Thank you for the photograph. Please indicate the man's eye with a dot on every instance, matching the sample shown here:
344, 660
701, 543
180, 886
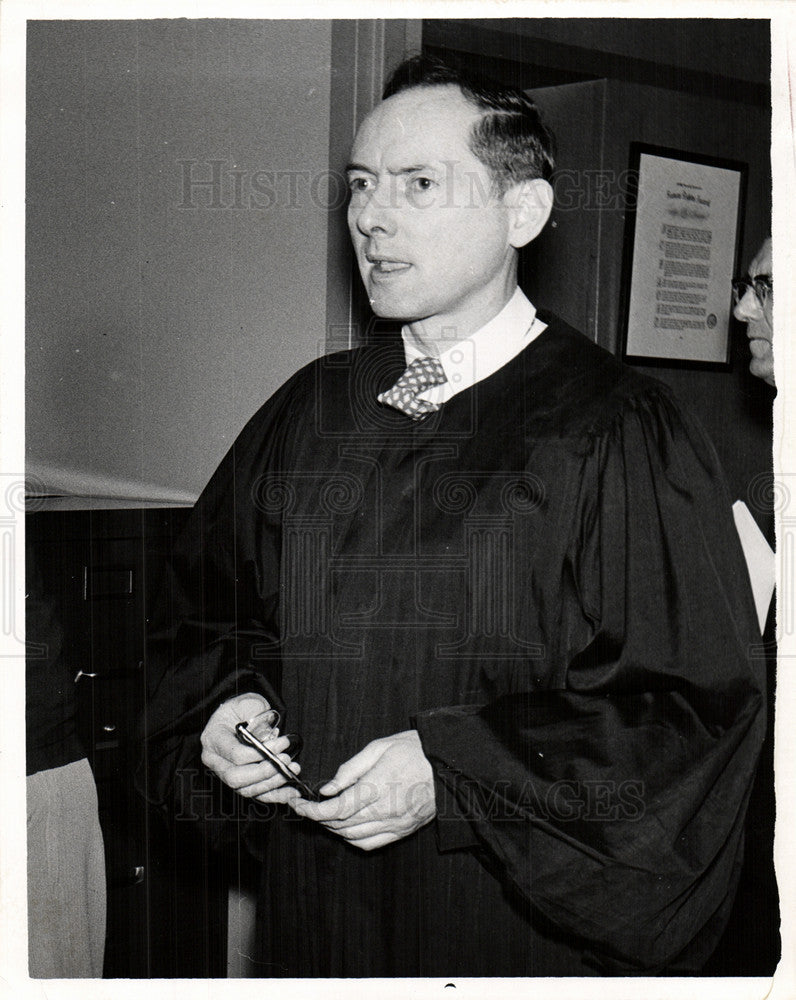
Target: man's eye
357, 184
422, 183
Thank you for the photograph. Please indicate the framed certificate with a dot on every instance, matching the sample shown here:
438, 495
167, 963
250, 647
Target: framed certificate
682, 241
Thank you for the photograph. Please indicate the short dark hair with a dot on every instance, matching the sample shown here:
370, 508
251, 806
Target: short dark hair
510, 138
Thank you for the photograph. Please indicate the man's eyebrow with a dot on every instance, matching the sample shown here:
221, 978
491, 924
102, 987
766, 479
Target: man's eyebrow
762, 274
397, 172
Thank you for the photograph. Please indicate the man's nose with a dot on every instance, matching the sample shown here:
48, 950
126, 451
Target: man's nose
747, 307
377, 213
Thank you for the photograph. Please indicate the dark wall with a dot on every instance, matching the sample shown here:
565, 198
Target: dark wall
699, 55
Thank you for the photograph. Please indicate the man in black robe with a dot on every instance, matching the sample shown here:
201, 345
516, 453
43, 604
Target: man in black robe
491, 576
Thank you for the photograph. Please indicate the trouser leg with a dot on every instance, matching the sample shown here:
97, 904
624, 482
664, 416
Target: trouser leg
66, 875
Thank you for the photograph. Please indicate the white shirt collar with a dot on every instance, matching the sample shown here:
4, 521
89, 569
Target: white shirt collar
483, 352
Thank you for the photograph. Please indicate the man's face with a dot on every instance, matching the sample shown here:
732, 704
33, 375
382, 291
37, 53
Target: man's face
432, 237
758, 318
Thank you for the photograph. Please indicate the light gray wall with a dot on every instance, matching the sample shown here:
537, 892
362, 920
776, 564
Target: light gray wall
155, 329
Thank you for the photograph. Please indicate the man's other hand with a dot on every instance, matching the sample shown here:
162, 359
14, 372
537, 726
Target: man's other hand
382, 794
240, 766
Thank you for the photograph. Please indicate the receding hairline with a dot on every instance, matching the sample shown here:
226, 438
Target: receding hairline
468, 99
452, 89
477, 113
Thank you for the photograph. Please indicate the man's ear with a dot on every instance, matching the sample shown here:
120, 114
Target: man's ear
531, 203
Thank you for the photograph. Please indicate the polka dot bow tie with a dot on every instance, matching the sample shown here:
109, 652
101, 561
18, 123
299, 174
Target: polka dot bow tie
421, 374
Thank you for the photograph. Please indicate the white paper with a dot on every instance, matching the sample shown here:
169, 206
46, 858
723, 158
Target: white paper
759, 559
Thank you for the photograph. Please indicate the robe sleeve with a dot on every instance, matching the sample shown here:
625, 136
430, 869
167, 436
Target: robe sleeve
215, 631
614, 802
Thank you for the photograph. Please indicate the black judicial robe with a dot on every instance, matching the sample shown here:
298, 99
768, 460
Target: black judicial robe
544, 579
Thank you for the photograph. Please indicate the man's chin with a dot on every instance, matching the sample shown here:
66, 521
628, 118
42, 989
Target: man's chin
387, 312
763, 369
386, 309
762, 363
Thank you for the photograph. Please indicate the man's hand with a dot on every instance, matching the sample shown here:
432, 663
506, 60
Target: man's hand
239, 766
382, 794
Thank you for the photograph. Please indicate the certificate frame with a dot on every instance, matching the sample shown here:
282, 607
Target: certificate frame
683, 232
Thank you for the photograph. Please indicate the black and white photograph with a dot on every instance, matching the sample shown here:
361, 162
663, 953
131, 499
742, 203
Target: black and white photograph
396, 506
